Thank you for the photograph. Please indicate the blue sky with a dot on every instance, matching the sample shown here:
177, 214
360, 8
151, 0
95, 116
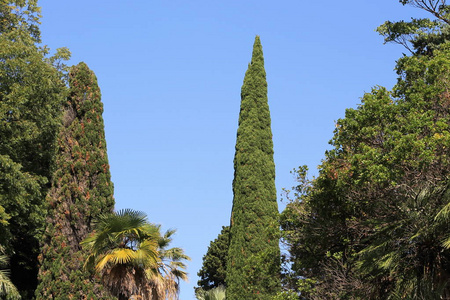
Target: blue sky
171, 73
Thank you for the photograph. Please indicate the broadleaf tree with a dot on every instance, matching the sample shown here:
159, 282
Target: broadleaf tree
31, 97
379, 207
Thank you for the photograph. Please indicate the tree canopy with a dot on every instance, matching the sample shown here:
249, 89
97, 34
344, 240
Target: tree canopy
373, 224
31, 95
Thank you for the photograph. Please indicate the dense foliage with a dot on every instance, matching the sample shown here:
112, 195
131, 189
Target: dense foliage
31, 94
374, 223
81, 190
213, 271
253, 265
54, 172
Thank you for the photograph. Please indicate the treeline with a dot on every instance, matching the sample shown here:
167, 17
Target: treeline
374, 223
57, 223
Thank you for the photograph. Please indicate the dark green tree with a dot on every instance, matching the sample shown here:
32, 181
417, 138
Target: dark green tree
253, 267
31, 96
213, 271
81, 191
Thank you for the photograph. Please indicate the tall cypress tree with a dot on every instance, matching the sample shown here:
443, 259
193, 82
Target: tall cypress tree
81, 190
253, 268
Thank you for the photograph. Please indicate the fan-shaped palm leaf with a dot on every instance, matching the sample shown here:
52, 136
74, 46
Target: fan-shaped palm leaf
131, 256
7, 288
217, 293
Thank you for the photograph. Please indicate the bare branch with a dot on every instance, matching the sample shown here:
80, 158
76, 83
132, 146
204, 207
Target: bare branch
431, 6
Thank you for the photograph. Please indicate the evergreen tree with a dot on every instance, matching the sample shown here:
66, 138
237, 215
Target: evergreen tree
213, 271
81, 190
253, 267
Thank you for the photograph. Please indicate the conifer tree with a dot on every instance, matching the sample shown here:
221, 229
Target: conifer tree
81, 190
253, 268
213, 271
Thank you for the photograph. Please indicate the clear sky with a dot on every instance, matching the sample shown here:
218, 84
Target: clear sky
171, 73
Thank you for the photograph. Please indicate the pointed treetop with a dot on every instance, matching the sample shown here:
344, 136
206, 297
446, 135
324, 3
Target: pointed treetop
257, 54
253, 261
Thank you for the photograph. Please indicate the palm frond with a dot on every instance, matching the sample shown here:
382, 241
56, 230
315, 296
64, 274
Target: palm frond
131, 256
217, 293
116, 256
446, 243
147, 255
7, 288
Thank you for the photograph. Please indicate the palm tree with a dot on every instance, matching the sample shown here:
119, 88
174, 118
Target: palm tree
217, 293
126, 252
7, 288
168, 272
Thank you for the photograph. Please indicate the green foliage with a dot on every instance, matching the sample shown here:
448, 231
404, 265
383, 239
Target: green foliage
374, 224
31, 95
286, 295
213, 271
379, 206
81, 190
21, 17
253, 267
420, 36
